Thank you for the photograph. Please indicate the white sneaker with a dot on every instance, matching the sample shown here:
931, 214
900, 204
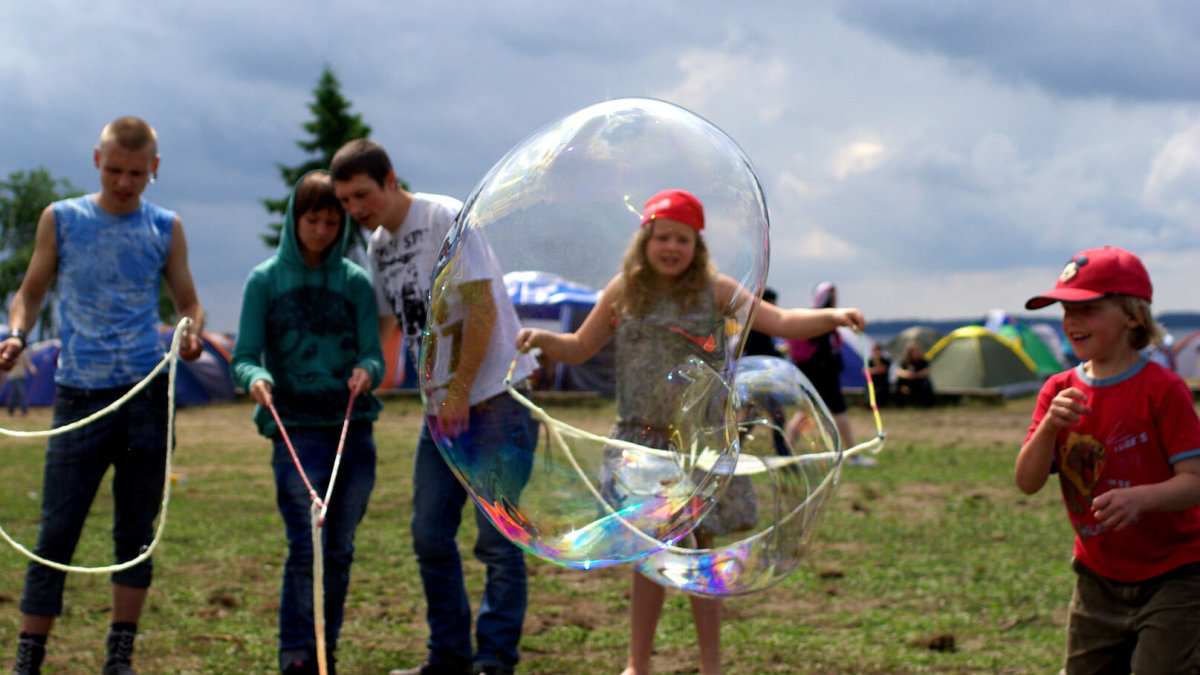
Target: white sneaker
860, 460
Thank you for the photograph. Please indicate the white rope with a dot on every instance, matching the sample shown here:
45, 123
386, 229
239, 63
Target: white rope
705, 461
555, 427
828, 483
171, 359
316, 513
316, 516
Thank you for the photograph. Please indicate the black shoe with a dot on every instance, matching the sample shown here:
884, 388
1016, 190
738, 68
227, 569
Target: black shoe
428, 667
120, 652
30, 653
493, 670
301, 667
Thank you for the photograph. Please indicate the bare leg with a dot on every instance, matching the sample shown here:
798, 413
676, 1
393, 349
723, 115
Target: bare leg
706, 613
842, 420
36, 624
794, 426
127, 603
645, 606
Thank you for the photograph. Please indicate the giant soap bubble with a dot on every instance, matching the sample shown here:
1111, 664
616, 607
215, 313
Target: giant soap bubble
566, 202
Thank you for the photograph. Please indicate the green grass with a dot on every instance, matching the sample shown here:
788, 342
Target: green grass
930, 562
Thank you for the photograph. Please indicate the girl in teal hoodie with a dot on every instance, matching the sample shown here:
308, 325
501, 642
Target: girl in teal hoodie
307, 341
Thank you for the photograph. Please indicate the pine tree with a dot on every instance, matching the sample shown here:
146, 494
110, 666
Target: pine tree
333, 125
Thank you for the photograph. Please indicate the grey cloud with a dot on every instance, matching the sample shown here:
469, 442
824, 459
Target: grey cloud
1132, 51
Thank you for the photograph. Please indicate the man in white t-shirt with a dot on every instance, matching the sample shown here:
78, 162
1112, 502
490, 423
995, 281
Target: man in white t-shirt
470, 350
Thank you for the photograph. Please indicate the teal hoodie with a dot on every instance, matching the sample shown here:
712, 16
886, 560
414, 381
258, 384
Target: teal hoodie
304, 330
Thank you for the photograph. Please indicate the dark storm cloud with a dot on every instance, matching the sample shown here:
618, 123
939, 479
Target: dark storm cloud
1137, 51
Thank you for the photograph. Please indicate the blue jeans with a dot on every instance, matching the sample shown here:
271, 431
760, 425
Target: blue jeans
132, 439
316, 448
499, 428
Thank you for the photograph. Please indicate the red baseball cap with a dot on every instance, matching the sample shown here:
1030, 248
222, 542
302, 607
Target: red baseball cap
679, 205
1097, 273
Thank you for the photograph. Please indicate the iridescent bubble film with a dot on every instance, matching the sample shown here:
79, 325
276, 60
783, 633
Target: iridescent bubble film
765, 518
567, 201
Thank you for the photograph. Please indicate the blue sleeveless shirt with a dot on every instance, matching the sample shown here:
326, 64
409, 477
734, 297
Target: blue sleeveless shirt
109, 271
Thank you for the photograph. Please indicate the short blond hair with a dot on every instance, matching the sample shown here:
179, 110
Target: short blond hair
1148, 330
131, 133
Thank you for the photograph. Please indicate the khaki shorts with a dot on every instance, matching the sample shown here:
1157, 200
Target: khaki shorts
1146, 627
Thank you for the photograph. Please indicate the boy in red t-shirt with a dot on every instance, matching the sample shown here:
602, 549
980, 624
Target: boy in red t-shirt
1123, 435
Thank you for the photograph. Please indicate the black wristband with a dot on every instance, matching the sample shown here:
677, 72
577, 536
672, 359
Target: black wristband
20, 335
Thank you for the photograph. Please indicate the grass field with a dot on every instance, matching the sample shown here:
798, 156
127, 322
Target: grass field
930, 562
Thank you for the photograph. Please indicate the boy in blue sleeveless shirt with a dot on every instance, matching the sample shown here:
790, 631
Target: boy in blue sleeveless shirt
109, 251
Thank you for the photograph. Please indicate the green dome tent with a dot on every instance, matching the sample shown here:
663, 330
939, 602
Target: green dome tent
1045, 363
973, 357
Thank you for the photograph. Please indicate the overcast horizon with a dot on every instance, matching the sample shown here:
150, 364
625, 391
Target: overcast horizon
935, 160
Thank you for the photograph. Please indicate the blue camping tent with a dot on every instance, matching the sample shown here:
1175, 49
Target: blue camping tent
39, 386
548, 297
203, 381
561, 305
207, 379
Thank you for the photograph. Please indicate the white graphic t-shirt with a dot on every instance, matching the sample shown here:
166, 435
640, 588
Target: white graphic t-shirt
404, 264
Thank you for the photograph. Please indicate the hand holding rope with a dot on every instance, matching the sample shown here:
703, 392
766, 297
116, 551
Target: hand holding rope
171, 362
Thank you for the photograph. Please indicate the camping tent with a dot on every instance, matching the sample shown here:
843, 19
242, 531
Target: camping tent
549, 301
205, 380
548, 297
924, 336
208, 378
1052, 336
39, 386
399, 372
1019, 333
973, 357
542, 300
1187, 355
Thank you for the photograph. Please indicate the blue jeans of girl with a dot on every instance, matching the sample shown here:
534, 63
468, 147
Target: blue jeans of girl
316, 448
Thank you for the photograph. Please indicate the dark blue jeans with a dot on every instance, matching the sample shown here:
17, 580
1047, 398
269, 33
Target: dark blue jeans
133, 440
316, 447
499, 428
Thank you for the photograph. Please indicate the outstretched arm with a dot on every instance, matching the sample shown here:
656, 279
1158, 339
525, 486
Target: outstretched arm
792, 324
577, 347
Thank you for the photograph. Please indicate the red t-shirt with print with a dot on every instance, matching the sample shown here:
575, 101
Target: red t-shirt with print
1141, 422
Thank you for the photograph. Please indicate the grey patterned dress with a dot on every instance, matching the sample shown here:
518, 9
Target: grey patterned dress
656, 355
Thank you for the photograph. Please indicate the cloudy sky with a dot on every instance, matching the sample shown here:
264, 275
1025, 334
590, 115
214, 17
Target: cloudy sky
935, 159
